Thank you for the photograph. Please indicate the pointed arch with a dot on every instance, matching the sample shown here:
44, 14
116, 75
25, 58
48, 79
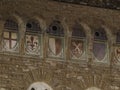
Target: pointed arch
81, 34
10, 35
15, 36
101, 44
77, 42
33, 38
56, 39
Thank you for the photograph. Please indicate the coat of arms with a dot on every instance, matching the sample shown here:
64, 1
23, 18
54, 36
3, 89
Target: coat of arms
10, 40
76, 48
32, 44
99, 50
55, 47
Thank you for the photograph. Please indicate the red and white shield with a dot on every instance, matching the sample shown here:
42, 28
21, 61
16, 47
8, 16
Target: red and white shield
55, 46
10, 40
10, 45
76, 48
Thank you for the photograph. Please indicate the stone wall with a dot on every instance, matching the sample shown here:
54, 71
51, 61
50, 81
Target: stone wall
18, 71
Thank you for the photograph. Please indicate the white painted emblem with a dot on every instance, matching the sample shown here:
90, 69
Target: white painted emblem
39, 86
32, 44
76, 48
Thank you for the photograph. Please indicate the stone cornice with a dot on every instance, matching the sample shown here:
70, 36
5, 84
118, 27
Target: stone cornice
109, 4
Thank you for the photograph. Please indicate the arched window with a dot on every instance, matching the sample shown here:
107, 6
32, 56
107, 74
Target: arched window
78, 42
33, 38
10, 36
56, 40
100, 44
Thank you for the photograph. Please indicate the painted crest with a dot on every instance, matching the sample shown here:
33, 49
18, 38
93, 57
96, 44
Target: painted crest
10, 44
55, 47
117, 53
10, 40
76, 48
32, 44
99, 50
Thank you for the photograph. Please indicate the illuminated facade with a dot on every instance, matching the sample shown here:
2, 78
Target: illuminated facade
54, 45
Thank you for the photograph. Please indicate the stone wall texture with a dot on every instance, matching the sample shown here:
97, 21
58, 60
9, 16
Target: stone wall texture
18, 71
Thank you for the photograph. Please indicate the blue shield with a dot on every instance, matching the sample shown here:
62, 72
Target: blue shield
99, 50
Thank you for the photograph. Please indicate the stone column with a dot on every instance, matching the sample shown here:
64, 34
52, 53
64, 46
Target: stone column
1, 33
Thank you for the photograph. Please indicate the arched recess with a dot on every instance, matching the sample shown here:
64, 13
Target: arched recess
33, 38
56, 40
78, 42
10, 35
36, 30
85, 37
101, 45
15, 34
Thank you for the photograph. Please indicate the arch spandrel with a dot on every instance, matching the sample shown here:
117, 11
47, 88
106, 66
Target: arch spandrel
86, 35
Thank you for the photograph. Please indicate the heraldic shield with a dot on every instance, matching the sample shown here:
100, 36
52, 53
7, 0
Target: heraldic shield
32, 44
10, 40
10, 45
99, 50
76, 48
117, 53
55, 47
